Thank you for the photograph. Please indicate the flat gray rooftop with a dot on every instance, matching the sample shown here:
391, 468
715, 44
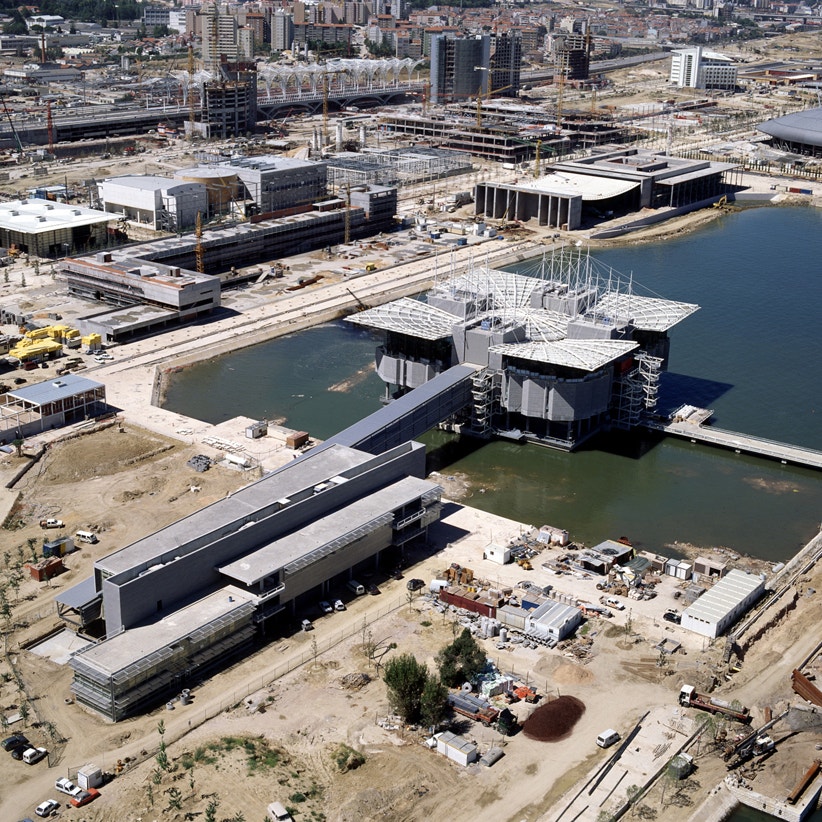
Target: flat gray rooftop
125, 649
53, 390
240, 507
334, 531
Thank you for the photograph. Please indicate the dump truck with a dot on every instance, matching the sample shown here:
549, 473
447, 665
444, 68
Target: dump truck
688, 696
476, 708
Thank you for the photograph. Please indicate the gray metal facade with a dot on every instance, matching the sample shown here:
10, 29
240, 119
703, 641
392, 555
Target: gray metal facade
205, 583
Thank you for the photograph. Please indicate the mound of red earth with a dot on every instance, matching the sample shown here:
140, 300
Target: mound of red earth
555, 720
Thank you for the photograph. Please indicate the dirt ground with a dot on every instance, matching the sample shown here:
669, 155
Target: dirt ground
293, 738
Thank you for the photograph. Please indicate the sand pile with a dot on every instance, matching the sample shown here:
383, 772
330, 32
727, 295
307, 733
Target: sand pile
554, 720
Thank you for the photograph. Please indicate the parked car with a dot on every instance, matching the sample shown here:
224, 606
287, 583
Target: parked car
306, 624
339, 605
17, 753
396, 574
31, 756
325, 606
372, 589
47, 808
415, 584
672, 616
14, 741
67, 787
84, 797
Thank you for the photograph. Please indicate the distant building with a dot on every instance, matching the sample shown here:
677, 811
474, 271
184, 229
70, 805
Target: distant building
230, 102
571, 54
282, 30
697, 68
506, 64
459, 67
158, 202
51, 229
270, 183
800, 132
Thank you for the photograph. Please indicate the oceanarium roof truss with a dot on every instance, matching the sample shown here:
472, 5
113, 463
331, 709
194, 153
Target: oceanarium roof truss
562, 350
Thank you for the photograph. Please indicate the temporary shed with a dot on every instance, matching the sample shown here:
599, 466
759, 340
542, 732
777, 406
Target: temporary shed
457, 748
498, 554
553, 620
718, 609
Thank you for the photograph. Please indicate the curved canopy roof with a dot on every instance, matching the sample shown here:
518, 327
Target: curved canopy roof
586, 355
407, 316
645, 313
801, 127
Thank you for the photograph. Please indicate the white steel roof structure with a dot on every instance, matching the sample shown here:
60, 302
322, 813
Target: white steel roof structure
586, 355
645, 313
407, 316
507, 289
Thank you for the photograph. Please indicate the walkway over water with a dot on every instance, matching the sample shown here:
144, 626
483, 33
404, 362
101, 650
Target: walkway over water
411, 415
741, 443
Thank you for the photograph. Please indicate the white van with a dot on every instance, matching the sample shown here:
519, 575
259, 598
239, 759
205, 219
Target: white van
355, 587
607, 738
277, 813
87, 536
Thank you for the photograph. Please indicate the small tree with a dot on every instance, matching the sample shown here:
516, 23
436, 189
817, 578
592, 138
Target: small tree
433, 702
461, 661
406, 679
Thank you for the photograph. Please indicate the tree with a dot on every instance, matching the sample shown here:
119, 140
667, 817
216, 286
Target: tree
406, 679
17, 24
433, 702
461, 661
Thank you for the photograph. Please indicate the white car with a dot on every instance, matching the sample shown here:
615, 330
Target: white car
47, 808
103, 355
339, 605
67, 787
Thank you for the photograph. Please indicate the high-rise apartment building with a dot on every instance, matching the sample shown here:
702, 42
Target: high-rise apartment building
459, 67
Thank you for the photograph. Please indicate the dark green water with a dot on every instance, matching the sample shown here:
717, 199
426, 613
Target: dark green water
752, 353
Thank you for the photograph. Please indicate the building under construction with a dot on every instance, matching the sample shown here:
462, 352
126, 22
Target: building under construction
560, 353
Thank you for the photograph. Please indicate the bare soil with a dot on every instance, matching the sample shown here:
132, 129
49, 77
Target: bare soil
284, 737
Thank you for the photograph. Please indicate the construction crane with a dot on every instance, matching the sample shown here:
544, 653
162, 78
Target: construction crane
325, 109
191, 117
199, 256
537, 159
13, 129
560, 88
479, 104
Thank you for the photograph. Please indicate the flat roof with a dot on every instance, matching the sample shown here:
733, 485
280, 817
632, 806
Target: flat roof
333, 531
131, 646
589, 187
37, 216
586, 355
553, 614
240, 507
57, 389
134, 316
714, 605
150, 183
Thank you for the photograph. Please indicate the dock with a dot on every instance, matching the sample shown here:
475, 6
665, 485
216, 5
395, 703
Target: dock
690, 423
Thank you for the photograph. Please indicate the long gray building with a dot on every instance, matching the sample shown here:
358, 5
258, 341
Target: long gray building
193, 595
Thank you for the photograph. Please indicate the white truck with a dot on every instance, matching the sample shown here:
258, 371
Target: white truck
51, 522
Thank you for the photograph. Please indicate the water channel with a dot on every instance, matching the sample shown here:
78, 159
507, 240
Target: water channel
751, 353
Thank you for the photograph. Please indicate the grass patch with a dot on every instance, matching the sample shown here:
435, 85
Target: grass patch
347, 758
426, 623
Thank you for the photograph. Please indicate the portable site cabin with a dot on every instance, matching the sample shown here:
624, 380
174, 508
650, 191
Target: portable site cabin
457, 748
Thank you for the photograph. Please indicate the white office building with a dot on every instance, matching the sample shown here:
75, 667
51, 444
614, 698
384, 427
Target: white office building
697, 68
161, 203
